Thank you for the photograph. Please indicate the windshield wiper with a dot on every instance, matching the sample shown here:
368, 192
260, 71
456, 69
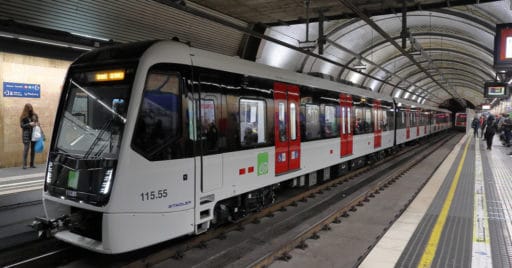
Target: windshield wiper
102, 131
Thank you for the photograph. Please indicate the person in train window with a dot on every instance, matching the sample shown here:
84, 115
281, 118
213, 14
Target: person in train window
359, 126
28, 120
250, 137
211, 136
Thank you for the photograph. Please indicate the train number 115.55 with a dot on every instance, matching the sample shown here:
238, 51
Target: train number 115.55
152, 195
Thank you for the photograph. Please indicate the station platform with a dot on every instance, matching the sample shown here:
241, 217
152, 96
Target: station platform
461, 218
16, 179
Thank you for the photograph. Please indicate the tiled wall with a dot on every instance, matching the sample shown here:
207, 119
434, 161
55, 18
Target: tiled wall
49, 74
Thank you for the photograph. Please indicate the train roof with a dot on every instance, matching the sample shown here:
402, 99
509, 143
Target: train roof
158, 51
216, 61
423, 106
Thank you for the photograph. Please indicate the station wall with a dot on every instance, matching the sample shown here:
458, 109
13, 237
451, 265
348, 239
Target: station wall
49, 75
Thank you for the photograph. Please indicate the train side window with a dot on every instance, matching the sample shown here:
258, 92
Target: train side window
158, 124
208, 126
358, 123
313, 129
331, 121
383, 119
252, 122
293, 121
401, 119
390, 118
368, 121
281, 117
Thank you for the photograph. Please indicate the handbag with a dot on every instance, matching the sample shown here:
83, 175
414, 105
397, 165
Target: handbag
36, 133
39, 146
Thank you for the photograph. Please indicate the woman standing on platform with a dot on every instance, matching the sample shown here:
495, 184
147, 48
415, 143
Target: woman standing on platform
490, 130
28, 120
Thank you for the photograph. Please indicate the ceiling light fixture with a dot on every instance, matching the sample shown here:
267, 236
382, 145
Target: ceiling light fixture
359, 65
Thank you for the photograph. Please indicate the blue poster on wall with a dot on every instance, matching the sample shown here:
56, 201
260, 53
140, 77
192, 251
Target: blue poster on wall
22, 90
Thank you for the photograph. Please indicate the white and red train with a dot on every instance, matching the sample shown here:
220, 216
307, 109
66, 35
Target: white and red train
461, 121
156, 140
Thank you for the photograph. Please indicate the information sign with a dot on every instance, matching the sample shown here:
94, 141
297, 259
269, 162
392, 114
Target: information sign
21, 90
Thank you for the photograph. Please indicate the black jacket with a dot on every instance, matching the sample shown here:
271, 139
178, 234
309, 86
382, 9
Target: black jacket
26, 134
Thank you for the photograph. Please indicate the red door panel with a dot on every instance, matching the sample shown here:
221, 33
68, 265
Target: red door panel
294, 127
377, 128
286, 128
346, 131
280, 128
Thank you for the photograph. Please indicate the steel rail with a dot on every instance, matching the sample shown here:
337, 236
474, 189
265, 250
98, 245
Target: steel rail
283, 251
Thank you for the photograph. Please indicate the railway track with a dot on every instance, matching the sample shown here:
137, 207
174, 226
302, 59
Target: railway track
248, 245
245, 244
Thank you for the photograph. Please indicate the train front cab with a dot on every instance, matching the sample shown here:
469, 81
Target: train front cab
460, 121
108, 185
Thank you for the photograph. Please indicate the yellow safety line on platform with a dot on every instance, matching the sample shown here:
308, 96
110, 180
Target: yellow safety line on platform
430, 250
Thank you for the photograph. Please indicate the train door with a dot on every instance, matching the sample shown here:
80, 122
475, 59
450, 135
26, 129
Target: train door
286, 128
209, 110
377, 128
424, 121
417, 122
346, 132
407, 123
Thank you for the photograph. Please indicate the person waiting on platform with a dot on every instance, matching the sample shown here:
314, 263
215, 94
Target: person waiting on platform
482, 126
28, 120
490, 130
475, 125
507, 130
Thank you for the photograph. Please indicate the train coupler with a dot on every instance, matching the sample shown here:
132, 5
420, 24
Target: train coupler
45, 227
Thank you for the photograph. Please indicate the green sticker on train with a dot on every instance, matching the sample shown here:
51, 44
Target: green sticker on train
262, 164
73, 179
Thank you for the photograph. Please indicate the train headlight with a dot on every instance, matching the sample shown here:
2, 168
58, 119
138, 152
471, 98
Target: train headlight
107, 180
49, 173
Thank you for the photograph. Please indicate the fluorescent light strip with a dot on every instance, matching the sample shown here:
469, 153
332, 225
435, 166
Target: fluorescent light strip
90, 36
45, 41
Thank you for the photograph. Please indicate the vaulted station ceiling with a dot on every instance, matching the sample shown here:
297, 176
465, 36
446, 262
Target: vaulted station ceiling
454, 39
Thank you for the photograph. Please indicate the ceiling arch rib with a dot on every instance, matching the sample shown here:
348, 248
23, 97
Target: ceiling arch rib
382, 45
458, 81
450, 74
453, 63
409, 69
476, 61
484, 28
474, 51
457, 78
387, 88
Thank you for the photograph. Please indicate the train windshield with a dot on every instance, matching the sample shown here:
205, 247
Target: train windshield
94, 114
